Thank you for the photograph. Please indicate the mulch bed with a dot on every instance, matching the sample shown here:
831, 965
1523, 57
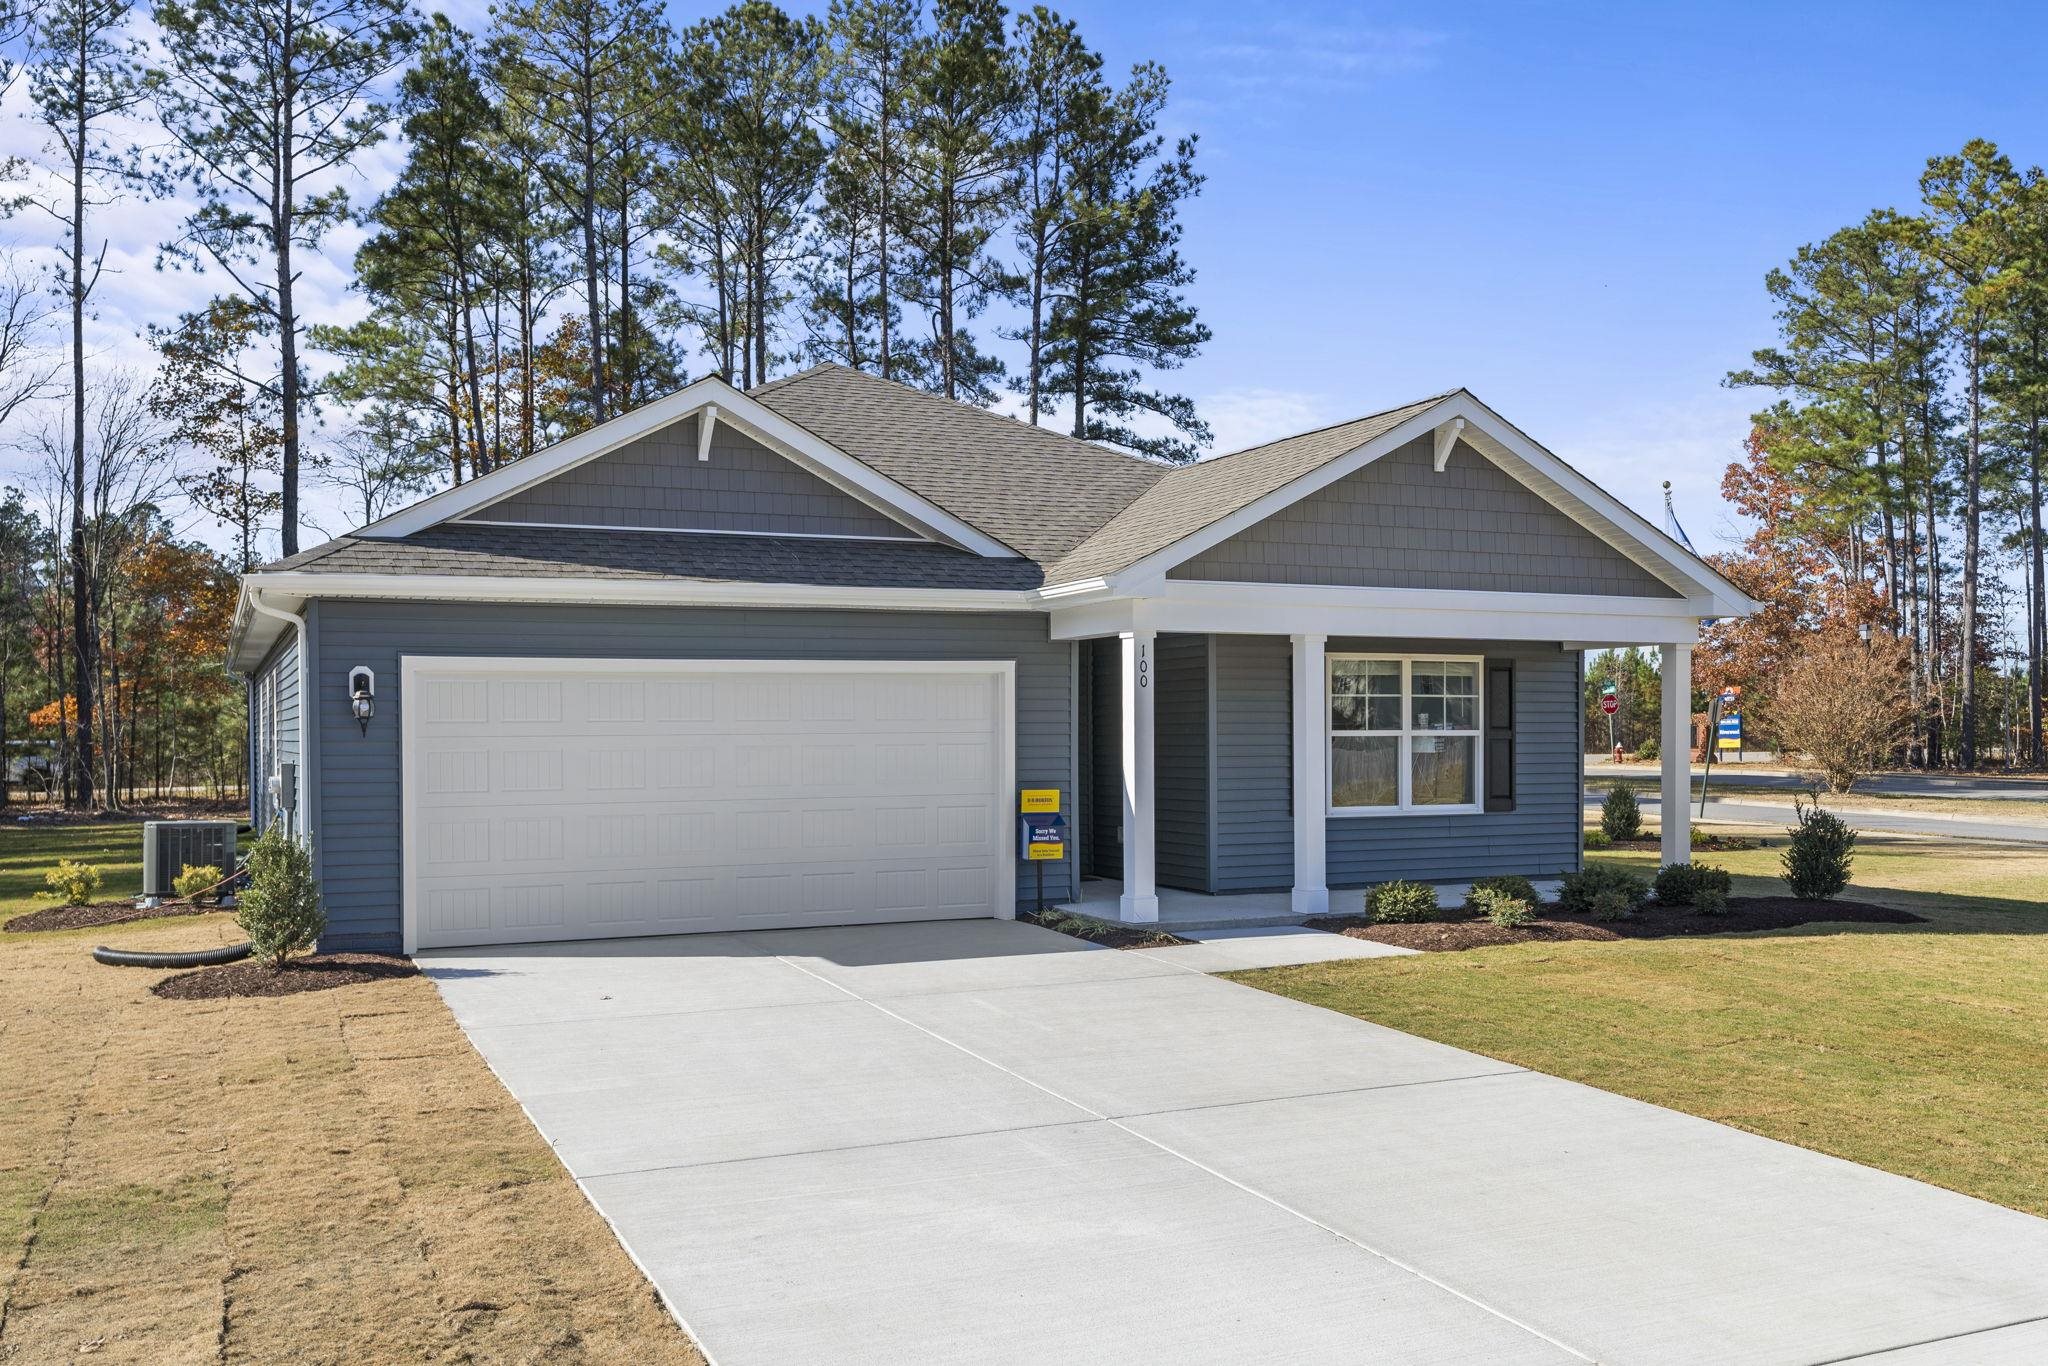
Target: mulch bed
319, 972
101, 913
1711, 844
1744, 913
1102, 932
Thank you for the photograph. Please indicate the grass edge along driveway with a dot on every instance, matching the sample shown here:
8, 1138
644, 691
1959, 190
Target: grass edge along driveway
330, 1176
1912, 1048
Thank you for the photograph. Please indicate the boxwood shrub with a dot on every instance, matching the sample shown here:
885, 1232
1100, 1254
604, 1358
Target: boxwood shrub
1401, 903
1582, 888
1680, 884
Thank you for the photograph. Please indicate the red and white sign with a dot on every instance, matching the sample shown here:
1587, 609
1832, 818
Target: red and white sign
1610, 704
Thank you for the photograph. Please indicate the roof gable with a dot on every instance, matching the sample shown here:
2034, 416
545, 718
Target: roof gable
711, 397
1399, 522
668, 481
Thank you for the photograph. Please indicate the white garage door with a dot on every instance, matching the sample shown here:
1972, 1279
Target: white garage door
551, 799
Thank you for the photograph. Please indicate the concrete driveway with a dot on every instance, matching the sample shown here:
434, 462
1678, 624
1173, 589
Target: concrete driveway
982, 1142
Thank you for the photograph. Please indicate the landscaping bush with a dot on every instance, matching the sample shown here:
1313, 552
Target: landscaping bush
1513, 885
1620, 817
1648, 751
1680, 884
1819, 857
1612, 904
1710, 901
1700, 838
195, 878
1598, 839
1401, 903
72, 883
1580, 889
1501, 907
280, 911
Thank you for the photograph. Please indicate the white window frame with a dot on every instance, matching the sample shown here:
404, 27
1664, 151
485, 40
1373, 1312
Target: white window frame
1405, 773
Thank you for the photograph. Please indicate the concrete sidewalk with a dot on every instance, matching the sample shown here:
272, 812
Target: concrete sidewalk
977, 1141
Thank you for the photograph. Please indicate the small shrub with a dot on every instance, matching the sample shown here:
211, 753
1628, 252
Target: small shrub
1680, 884
1598, 839
280, 910
1648, 751
1700, 838
195, 878
1710, 901
1818, 858
1503, 908
1580, 889
1612, 904
1401, 903
1620, 817
72, 883
1513, 885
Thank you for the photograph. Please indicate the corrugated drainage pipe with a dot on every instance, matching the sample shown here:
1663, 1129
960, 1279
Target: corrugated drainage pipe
198, 958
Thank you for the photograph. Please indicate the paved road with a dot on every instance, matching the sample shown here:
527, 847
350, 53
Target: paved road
1737, 811
1897, 784
981, 1142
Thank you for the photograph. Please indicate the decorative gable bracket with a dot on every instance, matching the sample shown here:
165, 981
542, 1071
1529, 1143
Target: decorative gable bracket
1446, 438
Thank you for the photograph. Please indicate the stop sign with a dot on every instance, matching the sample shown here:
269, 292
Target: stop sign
1610, 704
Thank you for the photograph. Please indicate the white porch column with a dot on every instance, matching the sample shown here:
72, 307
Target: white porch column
1139, 655
1676, 747
1311, 777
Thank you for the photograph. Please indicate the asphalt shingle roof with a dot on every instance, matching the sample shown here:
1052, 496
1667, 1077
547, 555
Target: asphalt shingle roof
458, 548
1036, 491
1071, 509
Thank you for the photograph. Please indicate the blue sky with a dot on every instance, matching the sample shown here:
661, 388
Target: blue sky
1567, 208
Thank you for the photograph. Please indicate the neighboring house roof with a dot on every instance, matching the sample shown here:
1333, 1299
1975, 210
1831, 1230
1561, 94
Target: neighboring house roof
1195, 496
485, 550
1038, 492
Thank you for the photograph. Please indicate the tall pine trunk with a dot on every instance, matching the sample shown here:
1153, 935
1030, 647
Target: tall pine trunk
1973, 512
2037, 634
84, 640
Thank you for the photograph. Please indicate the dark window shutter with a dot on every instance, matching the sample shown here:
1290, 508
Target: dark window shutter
1500, 735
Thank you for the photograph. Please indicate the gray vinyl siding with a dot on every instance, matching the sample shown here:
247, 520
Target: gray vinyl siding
1539, 837
1254, 778
1254, 764
1397, 523
273, 724
657, 482
359, 848
1180, 751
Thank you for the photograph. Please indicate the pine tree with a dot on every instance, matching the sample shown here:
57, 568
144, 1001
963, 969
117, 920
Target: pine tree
1116, 277
961, 182
875, 53
1966, 195
211, 405
265, 99
83, 73
1062, 93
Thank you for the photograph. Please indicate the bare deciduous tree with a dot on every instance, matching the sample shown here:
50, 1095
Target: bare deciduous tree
1843, 703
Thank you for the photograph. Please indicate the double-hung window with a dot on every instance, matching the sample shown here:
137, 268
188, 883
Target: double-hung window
1404, 734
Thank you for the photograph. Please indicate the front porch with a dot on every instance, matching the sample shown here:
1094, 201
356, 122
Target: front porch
1206, 762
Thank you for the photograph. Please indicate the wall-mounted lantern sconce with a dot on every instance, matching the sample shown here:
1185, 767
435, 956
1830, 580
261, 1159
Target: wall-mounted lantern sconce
362, 696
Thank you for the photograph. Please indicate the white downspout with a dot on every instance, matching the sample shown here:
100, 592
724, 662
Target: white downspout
302, 799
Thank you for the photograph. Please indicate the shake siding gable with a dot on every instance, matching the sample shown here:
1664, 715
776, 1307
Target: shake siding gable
658, 483
359, 849
1398, 523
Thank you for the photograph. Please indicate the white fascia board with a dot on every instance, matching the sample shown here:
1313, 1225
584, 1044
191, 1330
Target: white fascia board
1385, 613
251, 636
1483, 428
735, 409
636, 592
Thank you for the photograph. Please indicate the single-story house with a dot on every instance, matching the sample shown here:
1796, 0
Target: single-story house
789, 656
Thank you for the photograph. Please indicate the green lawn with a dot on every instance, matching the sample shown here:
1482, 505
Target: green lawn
29, 851
1916, 1048
1731, 785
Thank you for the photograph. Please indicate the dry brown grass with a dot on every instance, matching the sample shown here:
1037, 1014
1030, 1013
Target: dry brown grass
332, 1176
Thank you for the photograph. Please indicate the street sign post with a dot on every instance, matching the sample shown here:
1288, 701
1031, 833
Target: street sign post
1610, 704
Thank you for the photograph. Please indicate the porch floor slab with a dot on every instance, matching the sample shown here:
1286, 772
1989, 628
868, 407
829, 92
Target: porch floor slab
1181, 911
1270, 946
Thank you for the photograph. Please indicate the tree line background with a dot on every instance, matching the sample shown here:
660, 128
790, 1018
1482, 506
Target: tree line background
593, 207
1892, 483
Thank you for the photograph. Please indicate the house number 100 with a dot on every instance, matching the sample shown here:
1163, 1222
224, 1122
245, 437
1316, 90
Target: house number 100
1144, 669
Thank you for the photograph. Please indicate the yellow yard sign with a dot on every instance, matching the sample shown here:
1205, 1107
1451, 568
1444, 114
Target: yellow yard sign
1038, 799
1041, 853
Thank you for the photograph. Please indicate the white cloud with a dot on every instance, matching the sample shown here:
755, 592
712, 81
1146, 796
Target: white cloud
1251, 417
1630, 449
